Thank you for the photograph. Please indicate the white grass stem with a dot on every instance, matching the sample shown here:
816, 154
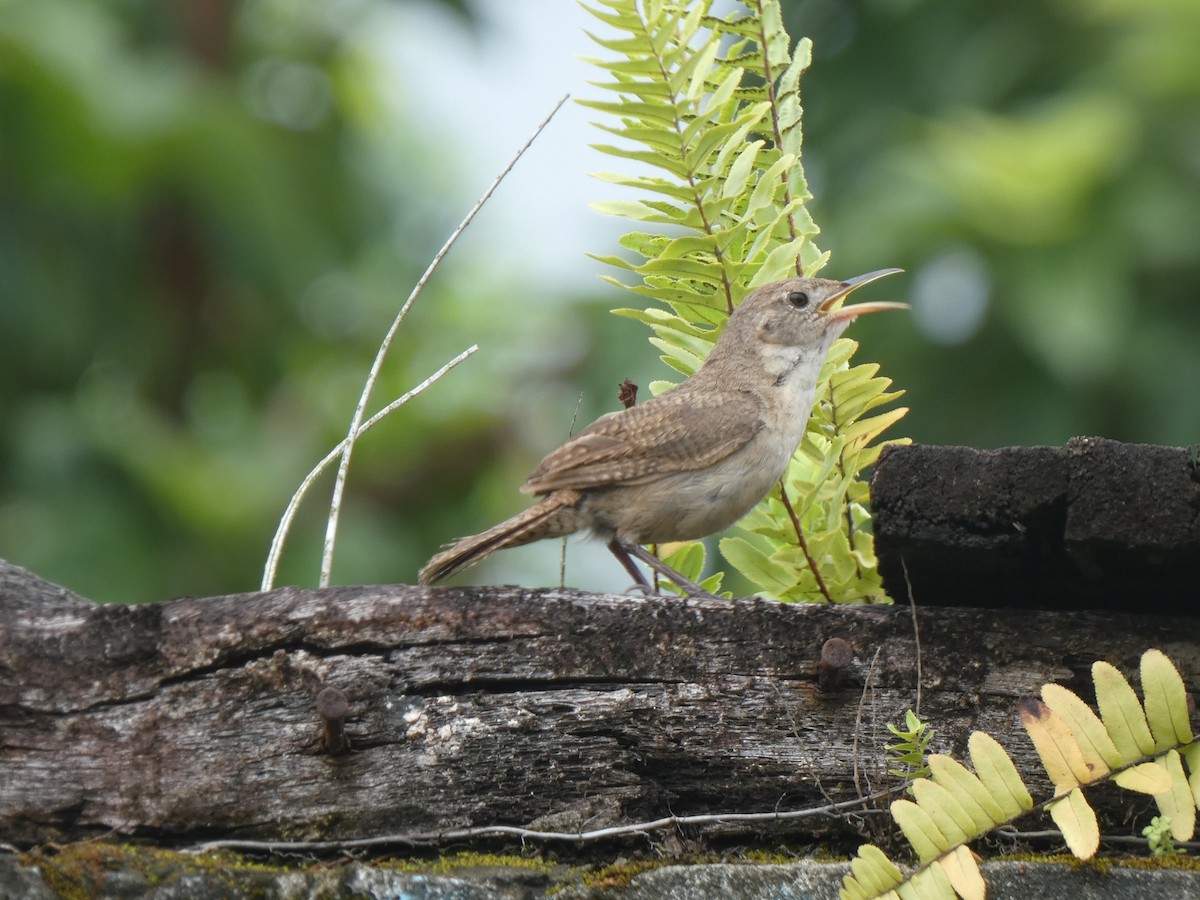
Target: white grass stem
285, 522
347, 446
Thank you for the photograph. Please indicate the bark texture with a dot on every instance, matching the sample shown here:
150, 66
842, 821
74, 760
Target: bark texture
197, 718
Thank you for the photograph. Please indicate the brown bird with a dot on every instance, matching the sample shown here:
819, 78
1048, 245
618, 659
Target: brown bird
695, 459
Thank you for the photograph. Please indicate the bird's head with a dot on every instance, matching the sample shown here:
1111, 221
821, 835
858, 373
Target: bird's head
802, 312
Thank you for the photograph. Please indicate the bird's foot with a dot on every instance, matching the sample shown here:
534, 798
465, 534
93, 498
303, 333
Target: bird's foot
644, 589
647, 590
623, 551
694, 592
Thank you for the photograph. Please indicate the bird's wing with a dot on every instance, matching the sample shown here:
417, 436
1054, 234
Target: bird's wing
675, 432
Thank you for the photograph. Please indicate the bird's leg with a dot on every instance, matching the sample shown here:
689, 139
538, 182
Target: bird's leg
618, 550
623, 551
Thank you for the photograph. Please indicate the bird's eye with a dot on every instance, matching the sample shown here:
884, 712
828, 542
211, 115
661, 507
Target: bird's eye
798, 299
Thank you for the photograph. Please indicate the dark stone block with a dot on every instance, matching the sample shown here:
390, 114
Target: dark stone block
1098, 524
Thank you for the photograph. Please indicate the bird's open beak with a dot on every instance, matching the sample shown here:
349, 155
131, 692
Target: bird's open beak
849, 312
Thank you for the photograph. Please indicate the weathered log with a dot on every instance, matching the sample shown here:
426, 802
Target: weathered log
197, 718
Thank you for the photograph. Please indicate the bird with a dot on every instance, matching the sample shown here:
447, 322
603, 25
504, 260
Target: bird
693, 460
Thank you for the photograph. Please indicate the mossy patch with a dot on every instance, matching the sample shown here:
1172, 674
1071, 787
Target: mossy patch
620, 874
85, 870
457, 862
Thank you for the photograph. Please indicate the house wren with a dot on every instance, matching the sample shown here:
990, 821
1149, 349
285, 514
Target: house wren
695, 459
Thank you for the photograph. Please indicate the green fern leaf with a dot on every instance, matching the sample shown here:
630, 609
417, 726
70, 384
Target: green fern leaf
943, 805
920, 830
1094, 741
1121, 713
754, 561
941, 816
687, 559
998, 774
954, 807
872, 874
928, 884
1192, 755
1166, 701
1147, 778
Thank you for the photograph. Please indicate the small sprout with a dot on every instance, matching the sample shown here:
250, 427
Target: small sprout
908, 753
1158, 836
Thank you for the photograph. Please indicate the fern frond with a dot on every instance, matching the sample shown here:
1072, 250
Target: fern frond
693, 114
1141, 742
1060, 751
1095, 744
1122, 714
1192, 755
1078, 749
1177, 803
1159, 838
909, 750
951, 809
720, 130
962, 871
872, 874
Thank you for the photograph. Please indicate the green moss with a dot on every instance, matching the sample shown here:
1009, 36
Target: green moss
770, 857
620, 874
1186, 863
81, 871
1103, 864
445, 865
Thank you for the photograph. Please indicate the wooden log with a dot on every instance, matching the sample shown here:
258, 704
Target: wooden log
197, 718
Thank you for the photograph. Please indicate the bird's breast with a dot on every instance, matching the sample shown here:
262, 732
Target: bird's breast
786, 410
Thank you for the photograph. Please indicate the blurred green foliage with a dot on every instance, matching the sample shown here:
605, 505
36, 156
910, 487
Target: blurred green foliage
208, 215
1036, 168
209, 212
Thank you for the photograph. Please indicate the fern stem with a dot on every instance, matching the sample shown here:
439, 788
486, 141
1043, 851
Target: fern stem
812, 565
1042, 806
769, 79
841, 468
691, 175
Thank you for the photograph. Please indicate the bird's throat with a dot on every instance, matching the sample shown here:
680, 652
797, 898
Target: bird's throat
793, 372
785, 365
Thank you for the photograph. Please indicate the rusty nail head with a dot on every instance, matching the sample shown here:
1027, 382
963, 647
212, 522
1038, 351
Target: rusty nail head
836, 656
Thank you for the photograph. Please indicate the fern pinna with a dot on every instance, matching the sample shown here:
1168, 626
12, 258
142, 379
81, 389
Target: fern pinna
709, 109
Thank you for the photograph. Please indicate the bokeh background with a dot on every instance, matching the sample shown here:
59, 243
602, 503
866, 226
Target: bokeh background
210, 210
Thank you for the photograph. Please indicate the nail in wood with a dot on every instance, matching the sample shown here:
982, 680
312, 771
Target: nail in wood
332, 707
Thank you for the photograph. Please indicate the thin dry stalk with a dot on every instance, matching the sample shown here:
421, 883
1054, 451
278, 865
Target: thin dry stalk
285, 521
339, 485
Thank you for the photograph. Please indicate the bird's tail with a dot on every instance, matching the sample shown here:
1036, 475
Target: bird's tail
555, 515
